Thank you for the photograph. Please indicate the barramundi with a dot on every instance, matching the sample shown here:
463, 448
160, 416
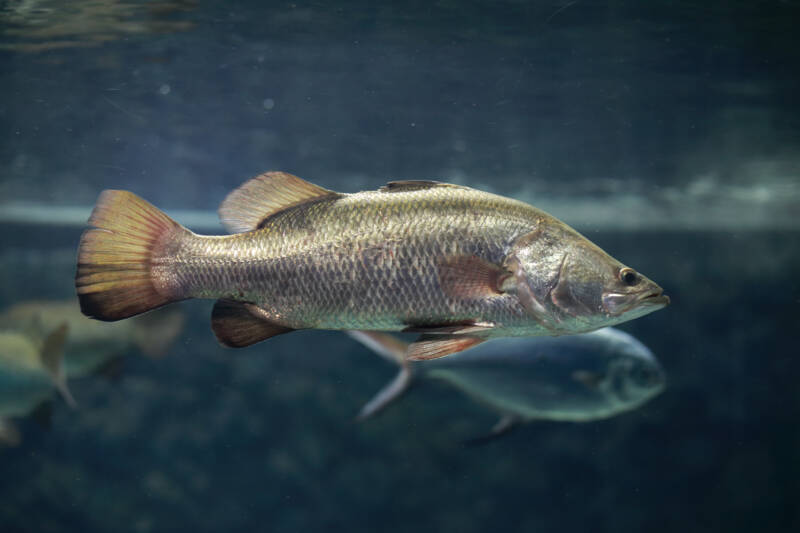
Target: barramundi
577, 378
453, 263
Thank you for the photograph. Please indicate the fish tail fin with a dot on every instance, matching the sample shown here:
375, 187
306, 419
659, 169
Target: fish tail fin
116, 258
392, 349
52, 356
155, 332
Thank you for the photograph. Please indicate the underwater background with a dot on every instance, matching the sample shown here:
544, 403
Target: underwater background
666, 132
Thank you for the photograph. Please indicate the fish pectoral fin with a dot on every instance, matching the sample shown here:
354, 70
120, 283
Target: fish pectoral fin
590, 380
240, 324
433, 346
249, 206
469, 277
503, 426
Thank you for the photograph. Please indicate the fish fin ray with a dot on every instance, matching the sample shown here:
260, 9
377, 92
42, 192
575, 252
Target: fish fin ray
249, 206
240, 324
468, 277
433, 346
114, 279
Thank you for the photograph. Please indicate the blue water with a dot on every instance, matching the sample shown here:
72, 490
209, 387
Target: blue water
668, 133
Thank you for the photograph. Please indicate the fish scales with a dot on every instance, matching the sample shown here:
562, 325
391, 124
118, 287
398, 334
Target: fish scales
366, 260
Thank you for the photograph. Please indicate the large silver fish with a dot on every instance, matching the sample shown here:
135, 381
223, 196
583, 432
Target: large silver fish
456, 264
578, 378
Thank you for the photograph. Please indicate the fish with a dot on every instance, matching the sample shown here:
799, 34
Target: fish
577, 378
30, 370
91, 345
454, 264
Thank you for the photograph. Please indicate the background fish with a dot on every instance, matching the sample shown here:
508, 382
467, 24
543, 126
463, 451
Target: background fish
90, 344
30, 369
457, 264
578, 378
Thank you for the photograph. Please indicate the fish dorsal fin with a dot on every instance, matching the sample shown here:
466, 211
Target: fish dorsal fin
414, 185
246, 208
240, 324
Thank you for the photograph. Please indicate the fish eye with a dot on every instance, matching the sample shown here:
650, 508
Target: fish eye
628, 276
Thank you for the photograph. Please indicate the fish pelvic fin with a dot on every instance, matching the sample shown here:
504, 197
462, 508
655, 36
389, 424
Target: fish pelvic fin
433, 346
52, 355
392, 349
249, 206
116, 258
240, 324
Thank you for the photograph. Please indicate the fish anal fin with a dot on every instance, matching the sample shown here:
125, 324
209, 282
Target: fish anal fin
240, 324
246, 208
503, 426
434, 346
468, 277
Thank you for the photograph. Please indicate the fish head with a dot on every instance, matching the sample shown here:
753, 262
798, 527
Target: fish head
621, 369
635, 376
570, 285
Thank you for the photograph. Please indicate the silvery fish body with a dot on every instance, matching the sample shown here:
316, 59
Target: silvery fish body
457, 264
577, 378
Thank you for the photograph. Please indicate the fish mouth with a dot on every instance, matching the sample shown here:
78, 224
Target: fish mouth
617, 304
654, 298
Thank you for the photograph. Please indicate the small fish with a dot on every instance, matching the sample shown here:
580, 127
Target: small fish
90, 344
30, 369
578, 378
455, 264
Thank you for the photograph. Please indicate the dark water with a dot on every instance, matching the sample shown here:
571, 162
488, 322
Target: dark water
667, 132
